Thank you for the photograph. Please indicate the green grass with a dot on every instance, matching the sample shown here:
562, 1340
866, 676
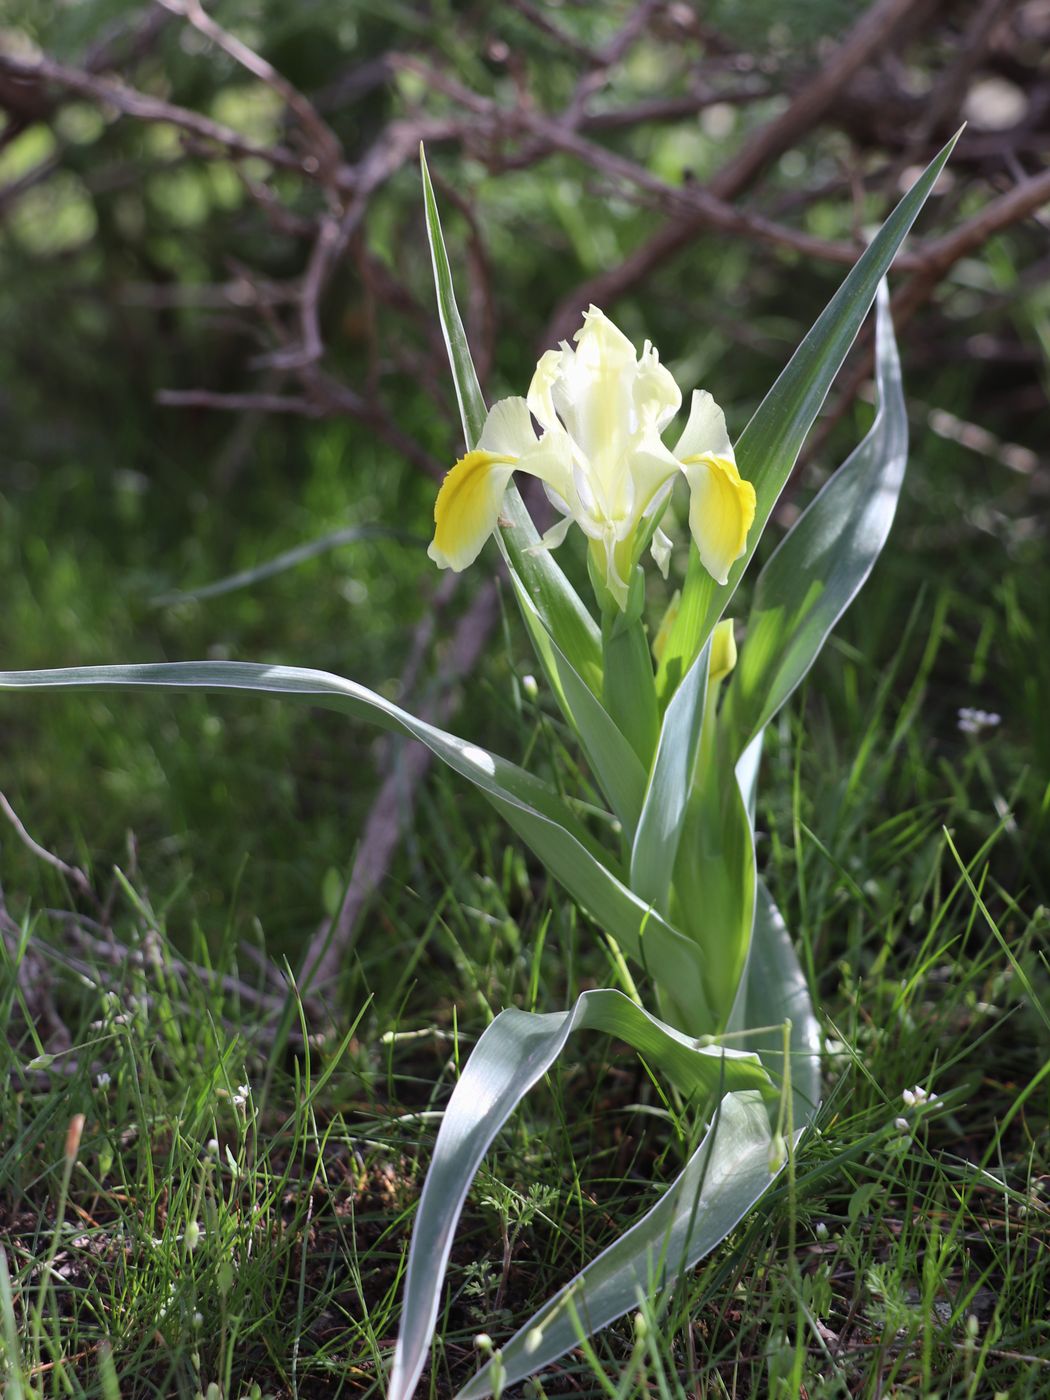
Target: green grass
194, 1240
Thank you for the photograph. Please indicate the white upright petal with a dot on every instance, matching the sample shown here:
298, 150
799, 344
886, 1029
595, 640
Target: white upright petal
657, 397
540, 399
705, 433
593, 394
508, 430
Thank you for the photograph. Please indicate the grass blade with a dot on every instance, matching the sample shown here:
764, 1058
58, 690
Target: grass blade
514, 1052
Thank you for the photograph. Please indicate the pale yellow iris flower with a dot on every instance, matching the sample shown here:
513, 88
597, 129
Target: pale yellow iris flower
602, 410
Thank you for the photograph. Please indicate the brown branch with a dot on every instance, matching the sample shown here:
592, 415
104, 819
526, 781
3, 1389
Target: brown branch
944, 104
867, 37
704, 209
129, 102
815, 96
936, 261
392, 807
75, 876
240, 403
325, 149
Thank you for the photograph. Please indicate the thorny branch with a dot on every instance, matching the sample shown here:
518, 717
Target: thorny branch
319, 188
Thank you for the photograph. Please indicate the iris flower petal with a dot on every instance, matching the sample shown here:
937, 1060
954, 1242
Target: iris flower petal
467, 508
705, 432
468, 504
721, 511
602, 409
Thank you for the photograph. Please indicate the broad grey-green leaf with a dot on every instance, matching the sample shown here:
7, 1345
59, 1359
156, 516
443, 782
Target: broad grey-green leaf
561, 608
617, 768
670, 783
772, 991
714, 877
723, 1179
747, 766
529, 806
822, 563
767, 448
512, 1054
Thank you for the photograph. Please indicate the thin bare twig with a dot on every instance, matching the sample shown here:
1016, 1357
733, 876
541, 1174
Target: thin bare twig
867, 37
392, 807
129, 102
241, 403
325, 151
75, 876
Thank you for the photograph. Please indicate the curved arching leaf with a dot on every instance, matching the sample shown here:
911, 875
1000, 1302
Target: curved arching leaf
531, 808
821, 565
723, 1179
512, 1054
769, 445
773, 990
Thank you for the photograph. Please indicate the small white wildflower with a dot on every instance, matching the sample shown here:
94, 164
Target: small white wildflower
821, 1230
973, 721
483, 1342
529, 686
198, 1319
192, 1235
212, 1147
102, 1081
240, 1098
901, 1124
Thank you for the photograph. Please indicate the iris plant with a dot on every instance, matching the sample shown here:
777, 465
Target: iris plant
670, 721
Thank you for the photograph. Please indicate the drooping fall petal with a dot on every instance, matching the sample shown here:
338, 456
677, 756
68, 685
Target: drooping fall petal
467, 508
468, 504
721, 512
721, 503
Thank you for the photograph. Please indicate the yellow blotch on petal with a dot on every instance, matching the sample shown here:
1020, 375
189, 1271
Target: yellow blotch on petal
467, 508
721, 511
